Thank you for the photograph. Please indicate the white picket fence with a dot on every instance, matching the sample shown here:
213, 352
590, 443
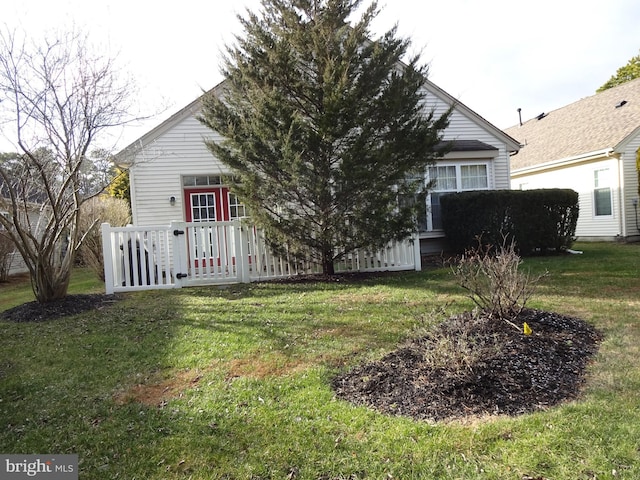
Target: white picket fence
207, 253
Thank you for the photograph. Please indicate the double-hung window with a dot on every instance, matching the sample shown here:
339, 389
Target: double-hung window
602, 192
445, 179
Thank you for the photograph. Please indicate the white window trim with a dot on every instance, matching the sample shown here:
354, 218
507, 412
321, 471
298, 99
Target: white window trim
237, 205
458, 166
609, 185
214, 205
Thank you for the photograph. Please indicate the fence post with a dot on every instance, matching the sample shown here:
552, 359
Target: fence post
242, 251
107, 256
178, 233
417, 258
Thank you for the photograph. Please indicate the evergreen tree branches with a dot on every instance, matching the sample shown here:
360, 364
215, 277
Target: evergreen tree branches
324, 127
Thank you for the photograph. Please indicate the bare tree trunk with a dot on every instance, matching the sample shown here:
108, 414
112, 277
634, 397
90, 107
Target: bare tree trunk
327, 263
47, 286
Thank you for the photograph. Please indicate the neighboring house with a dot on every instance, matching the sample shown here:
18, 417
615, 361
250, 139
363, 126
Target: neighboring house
15, 260
590, 146
175, 177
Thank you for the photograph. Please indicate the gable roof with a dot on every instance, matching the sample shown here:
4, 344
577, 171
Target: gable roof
511, 142
126, 155
599, 123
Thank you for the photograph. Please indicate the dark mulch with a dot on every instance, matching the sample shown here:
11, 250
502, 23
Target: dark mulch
468, 366
490, 368
69, 305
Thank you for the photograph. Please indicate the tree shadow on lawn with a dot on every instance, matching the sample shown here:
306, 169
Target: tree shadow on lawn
470, 365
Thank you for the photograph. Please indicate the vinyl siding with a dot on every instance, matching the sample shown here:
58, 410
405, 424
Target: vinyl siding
159, 167
178, 149
462, 127
630, 188
581, 179
17, 262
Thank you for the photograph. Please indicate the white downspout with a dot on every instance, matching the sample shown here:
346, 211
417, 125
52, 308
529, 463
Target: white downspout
622, 222
133, 196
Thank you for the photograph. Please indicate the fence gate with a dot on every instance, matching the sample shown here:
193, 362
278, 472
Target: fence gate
207, 253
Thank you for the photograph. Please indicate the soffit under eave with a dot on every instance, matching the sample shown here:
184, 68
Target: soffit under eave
589, 157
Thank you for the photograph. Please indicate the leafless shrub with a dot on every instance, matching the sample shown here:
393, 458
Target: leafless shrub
92, 213
494, 282
455, 353
455, 345
59, 100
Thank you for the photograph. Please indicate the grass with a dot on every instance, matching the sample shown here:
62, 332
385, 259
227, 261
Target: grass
18, 291
233, 383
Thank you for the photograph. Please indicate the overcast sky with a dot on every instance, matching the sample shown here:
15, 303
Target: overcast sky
495, 56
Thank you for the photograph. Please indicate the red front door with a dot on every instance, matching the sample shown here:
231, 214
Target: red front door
206, 205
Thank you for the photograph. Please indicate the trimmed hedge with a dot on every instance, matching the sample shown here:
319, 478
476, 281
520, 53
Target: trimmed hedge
543, 219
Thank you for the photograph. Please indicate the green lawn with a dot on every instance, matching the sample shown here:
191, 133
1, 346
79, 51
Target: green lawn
233, 383
84, 280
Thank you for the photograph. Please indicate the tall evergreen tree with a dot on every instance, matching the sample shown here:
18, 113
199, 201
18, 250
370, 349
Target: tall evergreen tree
325, 129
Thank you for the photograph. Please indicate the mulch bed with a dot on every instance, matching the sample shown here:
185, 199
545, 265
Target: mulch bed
468, 366
497, 370
69, 305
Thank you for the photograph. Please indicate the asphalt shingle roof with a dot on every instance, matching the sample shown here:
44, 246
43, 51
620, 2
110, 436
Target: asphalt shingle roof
588, 125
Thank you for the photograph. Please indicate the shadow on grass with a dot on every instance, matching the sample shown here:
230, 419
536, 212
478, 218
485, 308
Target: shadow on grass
262, 355
63, 373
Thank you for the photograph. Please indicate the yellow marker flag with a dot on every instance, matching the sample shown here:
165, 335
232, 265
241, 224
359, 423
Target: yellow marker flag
527, 329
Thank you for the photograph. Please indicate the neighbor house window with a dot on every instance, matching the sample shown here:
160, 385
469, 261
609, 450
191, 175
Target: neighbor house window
602, 192
445, 179
474, 177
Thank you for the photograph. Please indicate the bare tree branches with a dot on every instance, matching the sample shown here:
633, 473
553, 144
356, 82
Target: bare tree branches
492, 278
57, 98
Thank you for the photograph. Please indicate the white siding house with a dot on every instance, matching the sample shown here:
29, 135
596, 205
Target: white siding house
590, 146
15, 261
175, 177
